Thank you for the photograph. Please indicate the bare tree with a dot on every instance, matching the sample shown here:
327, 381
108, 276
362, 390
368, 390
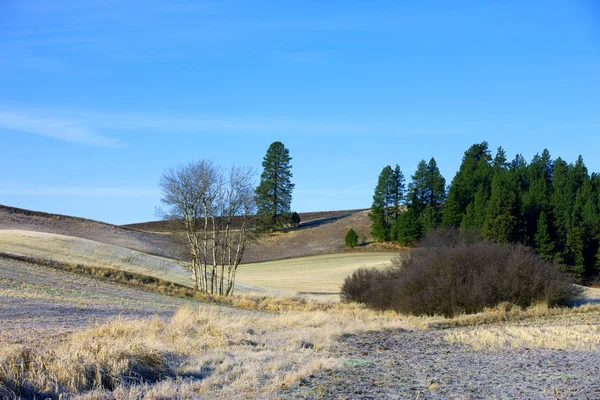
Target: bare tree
208, 201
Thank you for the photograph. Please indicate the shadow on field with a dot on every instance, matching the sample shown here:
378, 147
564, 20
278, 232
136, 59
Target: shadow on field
319, 222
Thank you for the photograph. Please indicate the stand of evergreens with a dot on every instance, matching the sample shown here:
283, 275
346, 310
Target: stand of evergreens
550, 205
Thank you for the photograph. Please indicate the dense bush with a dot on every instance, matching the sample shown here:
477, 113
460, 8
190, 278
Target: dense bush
450, 273
351, 239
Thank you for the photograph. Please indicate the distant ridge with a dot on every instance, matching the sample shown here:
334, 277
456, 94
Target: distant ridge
170, 226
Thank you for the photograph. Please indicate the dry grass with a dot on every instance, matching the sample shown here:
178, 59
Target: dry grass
573, 337
536, 327
503, 313
200, 352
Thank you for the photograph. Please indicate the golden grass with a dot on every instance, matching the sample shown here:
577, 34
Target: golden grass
573, 337
228, 353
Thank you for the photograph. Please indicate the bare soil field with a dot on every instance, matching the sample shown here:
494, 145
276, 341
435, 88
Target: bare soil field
551, 358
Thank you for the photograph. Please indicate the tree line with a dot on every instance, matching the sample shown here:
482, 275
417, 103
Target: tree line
550, 205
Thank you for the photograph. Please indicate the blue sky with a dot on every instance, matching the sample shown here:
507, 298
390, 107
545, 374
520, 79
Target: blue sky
98, 98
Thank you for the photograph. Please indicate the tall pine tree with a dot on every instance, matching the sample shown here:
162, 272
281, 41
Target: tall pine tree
274, 193
475, 170
543, 243
387, 199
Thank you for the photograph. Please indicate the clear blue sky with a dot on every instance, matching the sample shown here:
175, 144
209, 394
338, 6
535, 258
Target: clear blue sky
97, 99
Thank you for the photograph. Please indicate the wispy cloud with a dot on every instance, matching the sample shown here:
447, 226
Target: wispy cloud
56, 128
79, 191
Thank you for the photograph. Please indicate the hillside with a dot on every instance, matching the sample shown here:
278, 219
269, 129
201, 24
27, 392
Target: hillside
319, 233
146, 242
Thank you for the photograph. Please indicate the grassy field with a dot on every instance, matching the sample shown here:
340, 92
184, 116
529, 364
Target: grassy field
321, 276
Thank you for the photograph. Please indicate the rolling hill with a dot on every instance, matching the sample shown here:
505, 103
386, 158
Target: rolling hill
310, 259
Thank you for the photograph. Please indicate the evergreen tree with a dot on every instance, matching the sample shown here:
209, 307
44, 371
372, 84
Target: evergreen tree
476, 213
407, 229
475, 170
380, 211
500, 159
561, 202
501, 220
543, 243
274, 193
351, 239
397, 189
428, 187
388, 196
295, 219
536, 197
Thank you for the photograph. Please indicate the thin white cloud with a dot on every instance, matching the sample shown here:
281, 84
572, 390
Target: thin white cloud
79, 191
56, 128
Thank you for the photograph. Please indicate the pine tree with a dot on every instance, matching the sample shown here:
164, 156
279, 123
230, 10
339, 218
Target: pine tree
500, 159
397, 189
380, 211
274, 193
428, 187
500, 222
543, 243
536, 198
561, 202
475, 170
388, 196
351, 239
476, 213
295, 219
407, 229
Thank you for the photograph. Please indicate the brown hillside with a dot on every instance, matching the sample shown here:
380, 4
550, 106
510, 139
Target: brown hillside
17, 218
172, 226
318, 233
312, 237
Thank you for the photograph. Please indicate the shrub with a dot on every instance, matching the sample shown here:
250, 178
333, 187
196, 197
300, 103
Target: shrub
450, 273
357, 285
351, 239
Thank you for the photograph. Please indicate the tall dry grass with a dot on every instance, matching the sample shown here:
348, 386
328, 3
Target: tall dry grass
212, 352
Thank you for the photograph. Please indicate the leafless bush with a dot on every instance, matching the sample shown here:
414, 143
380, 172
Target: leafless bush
450, 273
